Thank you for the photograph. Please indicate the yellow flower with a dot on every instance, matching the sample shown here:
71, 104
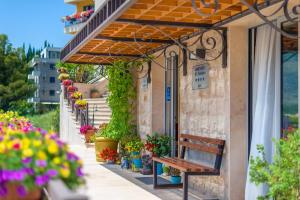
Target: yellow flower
37, 143
57, 160
25, 143
65, 173
27, 153
53, 148
2, 148
9, 144
42, 155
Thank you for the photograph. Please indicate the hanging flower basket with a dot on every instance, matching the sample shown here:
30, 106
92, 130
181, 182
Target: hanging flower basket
76, 95
81, 104
67, 82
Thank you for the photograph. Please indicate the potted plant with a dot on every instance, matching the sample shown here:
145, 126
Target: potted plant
30, 157
62, 70
134, 147
102, 142
125, 162
109, 155
175, 176
81, 104
76, 95
67, 82
166, 170
71, 89
63, 76
88, 131
158, 145
147, 164
94, 93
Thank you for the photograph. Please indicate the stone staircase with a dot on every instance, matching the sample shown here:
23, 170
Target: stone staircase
99, 113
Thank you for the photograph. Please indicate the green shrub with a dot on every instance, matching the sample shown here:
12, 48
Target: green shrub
283, 175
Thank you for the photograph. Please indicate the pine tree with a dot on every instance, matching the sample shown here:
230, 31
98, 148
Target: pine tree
14, 84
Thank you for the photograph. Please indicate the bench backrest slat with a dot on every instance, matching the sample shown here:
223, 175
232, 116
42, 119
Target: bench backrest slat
202, 144
200, 147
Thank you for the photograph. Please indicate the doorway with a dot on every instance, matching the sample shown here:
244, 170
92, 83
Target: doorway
171, 102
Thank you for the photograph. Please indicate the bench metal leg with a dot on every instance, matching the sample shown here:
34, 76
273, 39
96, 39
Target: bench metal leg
185, 186
154, 174
162, 186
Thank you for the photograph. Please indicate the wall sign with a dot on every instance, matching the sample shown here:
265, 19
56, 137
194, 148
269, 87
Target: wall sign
168, 93
200, 76
144, 84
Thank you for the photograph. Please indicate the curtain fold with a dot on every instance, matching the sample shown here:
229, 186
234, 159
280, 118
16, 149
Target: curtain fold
266, 100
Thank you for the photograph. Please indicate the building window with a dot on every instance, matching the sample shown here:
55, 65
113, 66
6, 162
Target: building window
273, 92
52, 93
289, 78
52, 66
52, 79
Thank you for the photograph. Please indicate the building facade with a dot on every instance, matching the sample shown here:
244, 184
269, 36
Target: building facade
44, 75
221, 71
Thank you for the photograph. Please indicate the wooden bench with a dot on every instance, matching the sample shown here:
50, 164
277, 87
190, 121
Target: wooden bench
197, 143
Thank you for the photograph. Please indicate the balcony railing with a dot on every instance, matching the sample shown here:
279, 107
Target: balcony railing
100, 16
77, 18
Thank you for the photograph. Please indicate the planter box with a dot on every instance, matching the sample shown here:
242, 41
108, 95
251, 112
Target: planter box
12, 193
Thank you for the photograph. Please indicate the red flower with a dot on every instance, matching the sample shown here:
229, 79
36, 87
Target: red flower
109, 154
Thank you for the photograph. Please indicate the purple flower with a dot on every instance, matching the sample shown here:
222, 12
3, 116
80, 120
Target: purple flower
26, 161
21, 191
18, 175
41, 180
79, 172
72, 157
41, 163
52, 173
29, 171
3, 190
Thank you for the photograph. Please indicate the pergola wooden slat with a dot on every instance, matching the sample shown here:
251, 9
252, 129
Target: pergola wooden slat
121, 29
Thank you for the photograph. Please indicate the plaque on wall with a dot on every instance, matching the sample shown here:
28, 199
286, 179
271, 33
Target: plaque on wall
144, 84
200, 76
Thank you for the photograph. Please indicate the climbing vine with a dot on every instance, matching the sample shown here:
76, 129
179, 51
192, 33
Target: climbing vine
121, 100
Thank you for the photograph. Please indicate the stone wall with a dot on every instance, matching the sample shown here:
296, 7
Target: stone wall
202, 112
216, 112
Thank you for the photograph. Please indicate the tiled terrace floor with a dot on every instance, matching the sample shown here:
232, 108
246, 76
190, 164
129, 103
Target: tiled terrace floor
109, 182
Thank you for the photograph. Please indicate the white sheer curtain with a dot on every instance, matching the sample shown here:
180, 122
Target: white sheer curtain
266, 100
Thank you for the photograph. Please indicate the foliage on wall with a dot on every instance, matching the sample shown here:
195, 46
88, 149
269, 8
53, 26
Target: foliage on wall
282, 176
121, 100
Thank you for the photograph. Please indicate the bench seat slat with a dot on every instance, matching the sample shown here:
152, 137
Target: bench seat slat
202, 139
184, 165
200, 147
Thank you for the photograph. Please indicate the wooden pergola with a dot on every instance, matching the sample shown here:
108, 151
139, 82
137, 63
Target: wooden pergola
130, 29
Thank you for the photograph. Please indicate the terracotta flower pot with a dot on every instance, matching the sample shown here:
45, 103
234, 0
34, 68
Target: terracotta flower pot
12, 193
102, 143
88, 136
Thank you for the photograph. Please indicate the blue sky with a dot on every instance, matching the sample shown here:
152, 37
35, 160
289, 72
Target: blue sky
34, 21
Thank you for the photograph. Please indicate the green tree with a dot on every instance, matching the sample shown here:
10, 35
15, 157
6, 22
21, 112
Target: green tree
14, 84
78, 73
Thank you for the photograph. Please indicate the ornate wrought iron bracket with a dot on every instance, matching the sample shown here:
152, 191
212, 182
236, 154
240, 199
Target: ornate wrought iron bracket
213, 43
291, 16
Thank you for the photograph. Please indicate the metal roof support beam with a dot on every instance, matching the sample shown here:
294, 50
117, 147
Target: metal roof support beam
110, 54
125, 39
165, 23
